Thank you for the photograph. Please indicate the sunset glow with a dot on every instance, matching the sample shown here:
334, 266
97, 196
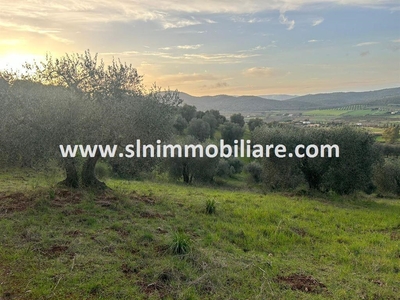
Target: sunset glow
218, 47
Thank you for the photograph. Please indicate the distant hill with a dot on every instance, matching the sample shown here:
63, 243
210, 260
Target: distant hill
388, 101
247, 104
280, 97
225, 103
328, 100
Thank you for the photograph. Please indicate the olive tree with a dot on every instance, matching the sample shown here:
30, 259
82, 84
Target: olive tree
238, 119
194, 168
199, 128
231, 132
349, 172
99, 104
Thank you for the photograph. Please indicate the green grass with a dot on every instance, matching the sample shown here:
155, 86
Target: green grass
342, 113
324, 112
62, 244
359, 113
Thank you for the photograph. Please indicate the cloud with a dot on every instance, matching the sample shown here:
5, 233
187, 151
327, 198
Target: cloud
258, 20
124, 53
209, 21
239, 19
189, 46
258, 48
396, 41
185, 47
260, 72
314, 41
52, 33
69, 15
365, 53
284, 20
182, 77
317, 22
179, 23
366, 44
183, 58
218, 85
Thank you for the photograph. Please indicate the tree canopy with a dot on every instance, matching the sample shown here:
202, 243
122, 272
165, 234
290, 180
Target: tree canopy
76, 99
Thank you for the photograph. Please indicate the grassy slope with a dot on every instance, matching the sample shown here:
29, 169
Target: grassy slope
74, 244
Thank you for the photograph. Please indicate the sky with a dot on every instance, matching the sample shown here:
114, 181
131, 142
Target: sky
210, 47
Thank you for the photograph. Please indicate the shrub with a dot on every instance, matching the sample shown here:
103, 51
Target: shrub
387, 177
349, 172
223, 168
200, 169
255, 171
237, 164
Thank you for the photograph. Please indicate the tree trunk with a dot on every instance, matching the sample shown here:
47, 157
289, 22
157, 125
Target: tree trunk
88, 177
72, 179
185, 173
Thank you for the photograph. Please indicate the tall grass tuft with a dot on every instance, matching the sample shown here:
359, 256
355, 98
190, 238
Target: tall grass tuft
180, 244
210, 206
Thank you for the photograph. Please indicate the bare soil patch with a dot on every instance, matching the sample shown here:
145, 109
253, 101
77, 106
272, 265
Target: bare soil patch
142, 198
302, 282
13, 202
55, 250
64, 197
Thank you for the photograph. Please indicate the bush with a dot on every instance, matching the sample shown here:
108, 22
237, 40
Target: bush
255, 171
201, 169
349, 172
387, 177
236, 165
223, 168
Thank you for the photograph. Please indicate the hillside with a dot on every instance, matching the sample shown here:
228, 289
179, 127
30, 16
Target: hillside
225, 103
388, 101
248, 104
280, 97
328, 100
76, 244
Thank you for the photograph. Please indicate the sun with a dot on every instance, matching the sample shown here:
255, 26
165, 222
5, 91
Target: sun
15, 61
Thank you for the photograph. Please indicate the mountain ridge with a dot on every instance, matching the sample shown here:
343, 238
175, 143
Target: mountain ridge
250, 103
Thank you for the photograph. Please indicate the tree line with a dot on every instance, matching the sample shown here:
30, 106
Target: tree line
77, 99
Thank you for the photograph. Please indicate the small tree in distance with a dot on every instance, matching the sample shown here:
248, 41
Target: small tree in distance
200, 129
391, 134
254, 123
238, 119
231, 132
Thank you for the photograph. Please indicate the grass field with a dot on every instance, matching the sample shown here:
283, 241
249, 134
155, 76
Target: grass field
149, 240
324, 112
